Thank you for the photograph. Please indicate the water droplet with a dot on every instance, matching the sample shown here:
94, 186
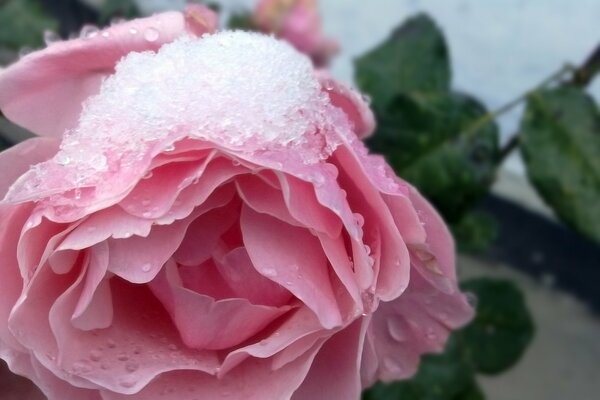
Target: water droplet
472, 299
81, 367
62, 159
392, 365
235, 162
88, 32
133, 31
329, 85
127, 382
366, 98
151, 34
77, 194
360, 220
131, 367
146, 267
148, 175
170, 148
396, 329
95, 355
105, 34
269, 272
51, 37
367, 249
117, 21
368, 300
430, 334
23, 51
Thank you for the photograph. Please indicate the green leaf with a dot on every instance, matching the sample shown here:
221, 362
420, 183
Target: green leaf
126, 9
428, 141
414, 58
241, 21
475, 232
445, 376
560, 142
22, 24
502, 328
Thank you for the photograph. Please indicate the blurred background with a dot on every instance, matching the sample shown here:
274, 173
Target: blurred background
522, 211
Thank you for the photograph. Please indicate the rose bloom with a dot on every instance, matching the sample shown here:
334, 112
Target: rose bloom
298, 22
198, 219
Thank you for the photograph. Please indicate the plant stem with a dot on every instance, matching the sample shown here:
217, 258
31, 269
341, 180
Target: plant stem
489, 117
508, 148
586, 72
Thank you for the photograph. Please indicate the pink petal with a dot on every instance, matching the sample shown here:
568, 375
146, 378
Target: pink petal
139, 259
418, 322
11, 217
351, 102
16, 160
252, 380
55, 81
335, 373
300, 324
264, 198
303, 205
293, 258
204, 233
94, 310
365, 198
216, 324
241, 276
140, 344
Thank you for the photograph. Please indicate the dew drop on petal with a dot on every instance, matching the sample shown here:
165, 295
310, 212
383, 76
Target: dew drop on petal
396, 329
51, 37
151, 34
88, 31
95, 355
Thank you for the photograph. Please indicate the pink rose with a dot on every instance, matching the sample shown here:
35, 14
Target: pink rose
208, 225
298, 22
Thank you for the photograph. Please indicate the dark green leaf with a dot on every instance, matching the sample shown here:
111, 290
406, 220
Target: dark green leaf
126, 9
414, 58
502, 328
440, 377
475, 231
424, 138
561, 147
241, 21
22, 24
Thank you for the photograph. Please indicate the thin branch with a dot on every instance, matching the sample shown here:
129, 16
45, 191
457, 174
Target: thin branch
491, 116
508, 148
586, 72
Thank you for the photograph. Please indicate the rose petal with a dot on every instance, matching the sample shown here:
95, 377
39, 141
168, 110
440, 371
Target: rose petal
57, 80
293, 258
351, 102
417, 322
140, 344
335, 373
16, 160
217, 324
94, 310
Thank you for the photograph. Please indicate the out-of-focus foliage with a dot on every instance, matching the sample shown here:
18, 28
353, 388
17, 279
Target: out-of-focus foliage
475, 231
432, 136
22, 24
492, 343
112, 9
560, 143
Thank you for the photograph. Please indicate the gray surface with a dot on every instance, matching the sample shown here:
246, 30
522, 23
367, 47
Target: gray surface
563, 361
